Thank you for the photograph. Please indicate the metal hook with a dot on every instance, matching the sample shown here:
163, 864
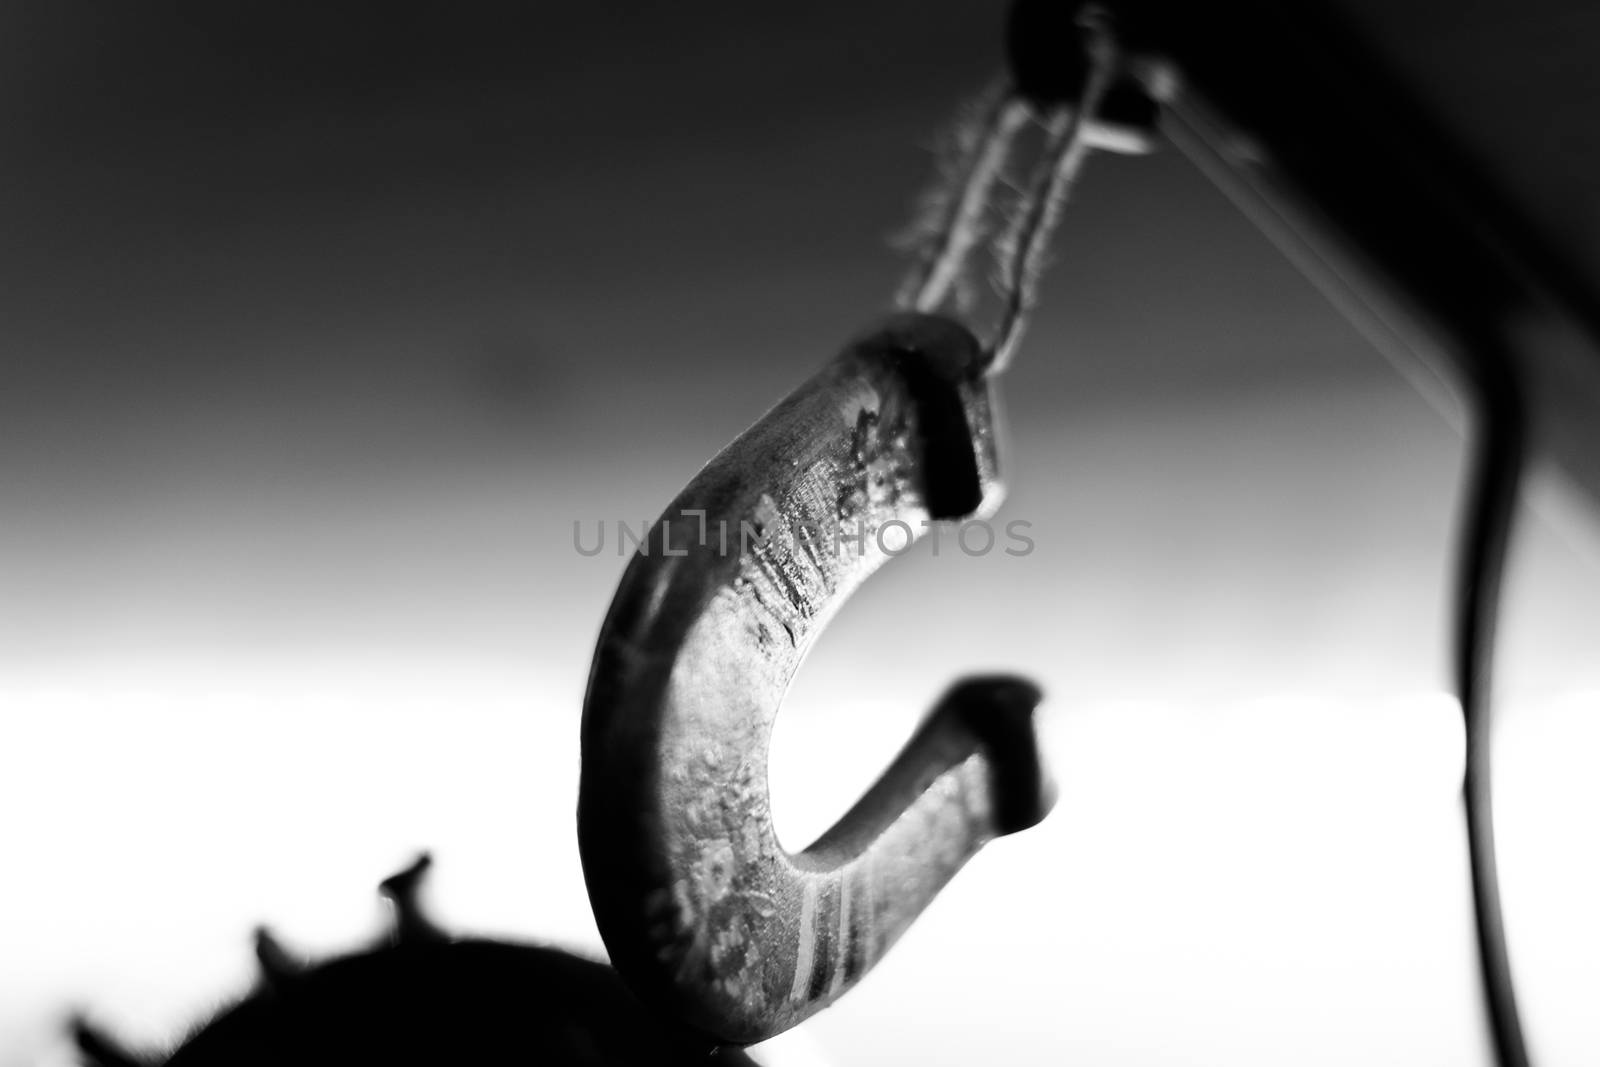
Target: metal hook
703, 911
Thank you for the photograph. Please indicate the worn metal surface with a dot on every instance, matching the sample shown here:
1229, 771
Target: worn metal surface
703, 911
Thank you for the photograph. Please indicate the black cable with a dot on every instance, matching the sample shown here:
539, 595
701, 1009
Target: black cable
1496, 458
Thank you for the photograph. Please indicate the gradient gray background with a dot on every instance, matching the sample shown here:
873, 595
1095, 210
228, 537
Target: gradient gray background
322, 324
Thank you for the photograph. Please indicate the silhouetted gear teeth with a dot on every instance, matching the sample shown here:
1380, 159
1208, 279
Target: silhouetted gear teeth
277, 966
403, 890
99, 1048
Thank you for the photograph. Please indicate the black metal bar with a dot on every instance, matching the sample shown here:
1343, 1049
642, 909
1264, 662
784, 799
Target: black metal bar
1295, 116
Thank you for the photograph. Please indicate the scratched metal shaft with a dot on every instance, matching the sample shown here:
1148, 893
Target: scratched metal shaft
704, 912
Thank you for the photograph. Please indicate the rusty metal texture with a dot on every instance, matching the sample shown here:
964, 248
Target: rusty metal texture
704, 912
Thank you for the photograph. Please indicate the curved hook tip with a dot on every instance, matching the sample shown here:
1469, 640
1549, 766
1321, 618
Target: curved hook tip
999, 710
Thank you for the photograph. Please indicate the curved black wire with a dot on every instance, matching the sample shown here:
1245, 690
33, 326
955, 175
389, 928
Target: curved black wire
1496, 458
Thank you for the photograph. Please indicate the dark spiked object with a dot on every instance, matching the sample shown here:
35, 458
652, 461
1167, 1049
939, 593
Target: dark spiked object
424, 997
